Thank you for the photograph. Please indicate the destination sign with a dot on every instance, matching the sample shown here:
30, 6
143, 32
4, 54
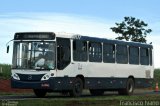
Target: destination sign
34, 36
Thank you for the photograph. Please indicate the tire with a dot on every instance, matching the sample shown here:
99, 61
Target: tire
40, 93
96, 92
77, 88
129, 88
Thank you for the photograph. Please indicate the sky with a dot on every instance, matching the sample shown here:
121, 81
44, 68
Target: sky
85, 17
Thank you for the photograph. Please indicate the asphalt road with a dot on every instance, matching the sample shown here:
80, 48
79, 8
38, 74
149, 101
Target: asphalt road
60, 96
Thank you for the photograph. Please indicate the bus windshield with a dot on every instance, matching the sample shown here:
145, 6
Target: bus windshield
34, 55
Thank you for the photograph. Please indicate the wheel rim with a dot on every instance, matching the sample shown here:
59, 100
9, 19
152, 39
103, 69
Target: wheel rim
130, 87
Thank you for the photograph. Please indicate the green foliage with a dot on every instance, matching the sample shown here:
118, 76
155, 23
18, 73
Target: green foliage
157, 76
86, 101
132, 29
5, 71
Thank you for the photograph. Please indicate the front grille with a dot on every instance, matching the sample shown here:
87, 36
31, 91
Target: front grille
30, 77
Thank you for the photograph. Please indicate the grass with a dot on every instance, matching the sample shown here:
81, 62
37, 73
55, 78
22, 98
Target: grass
86, 101
5, 71
156, 77
157, 74
52, 102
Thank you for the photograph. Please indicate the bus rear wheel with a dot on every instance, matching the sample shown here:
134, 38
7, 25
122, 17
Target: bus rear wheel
96, 92
77, 88
129, 88
39, 93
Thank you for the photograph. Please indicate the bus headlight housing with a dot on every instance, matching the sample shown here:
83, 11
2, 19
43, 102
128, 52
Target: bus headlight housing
15, 76
45, 77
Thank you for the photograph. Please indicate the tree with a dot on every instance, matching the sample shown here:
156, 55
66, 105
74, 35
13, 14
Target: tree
132, 29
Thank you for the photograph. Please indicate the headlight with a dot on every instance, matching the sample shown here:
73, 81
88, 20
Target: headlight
15, 76
45, 77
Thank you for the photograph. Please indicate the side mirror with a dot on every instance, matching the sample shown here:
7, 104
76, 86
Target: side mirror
8, 45
8, 49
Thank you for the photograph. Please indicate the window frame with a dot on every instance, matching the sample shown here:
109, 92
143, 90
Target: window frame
113, 53
133, 57
143, 56
122, 54
94, 54
79, 51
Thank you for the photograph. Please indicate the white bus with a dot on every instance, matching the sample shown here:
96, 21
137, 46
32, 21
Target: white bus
69, 63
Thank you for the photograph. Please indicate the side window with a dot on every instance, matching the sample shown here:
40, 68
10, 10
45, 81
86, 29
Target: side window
95, 52
63, 53
79, 50
122, 54
150, 56
133, 55
108, 53
144, 56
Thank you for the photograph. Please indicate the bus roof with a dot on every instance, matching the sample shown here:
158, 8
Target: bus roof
110, 41
93, 39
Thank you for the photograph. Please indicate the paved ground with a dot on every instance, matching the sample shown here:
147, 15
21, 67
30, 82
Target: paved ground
57, 95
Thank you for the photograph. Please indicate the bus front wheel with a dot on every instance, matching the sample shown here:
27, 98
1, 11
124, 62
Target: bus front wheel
39, 93
77, 88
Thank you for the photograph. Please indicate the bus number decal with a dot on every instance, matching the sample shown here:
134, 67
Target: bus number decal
79, 66
76, 36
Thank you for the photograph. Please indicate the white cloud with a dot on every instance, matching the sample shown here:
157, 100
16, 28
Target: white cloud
156, 45
53, 22
22, 22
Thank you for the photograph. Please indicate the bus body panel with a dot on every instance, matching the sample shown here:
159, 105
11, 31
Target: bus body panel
95, 75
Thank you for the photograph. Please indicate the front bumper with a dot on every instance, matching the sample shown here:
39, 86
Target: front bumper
56, 84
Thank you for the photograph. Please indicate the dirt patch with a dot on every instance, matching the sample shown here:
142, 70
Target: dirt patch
5, 86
